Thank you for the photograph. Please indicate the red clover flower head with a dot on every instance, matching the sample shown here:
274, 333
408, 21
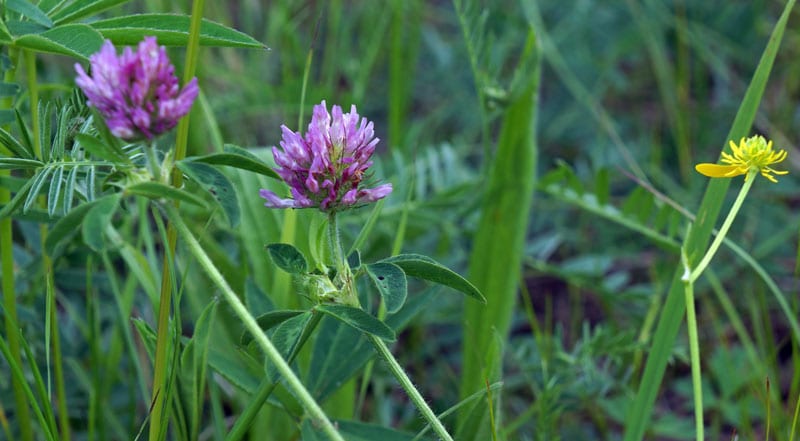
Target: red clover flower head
327, 167
136, 92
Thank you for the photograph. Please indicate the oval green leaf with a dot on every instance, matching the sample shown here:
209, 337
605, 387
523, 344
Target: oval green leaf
358, 319
268, 321
237, 160
391, 283
288, 258
215, 183
170, 30
423, 267
101, 150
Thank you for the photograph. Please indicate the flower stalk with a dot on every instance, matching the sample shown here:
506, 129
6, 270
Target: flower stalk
292, 382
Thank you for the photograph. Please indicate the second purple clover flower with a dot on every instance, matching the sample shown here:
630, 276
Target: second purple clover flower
327, 167
136, 92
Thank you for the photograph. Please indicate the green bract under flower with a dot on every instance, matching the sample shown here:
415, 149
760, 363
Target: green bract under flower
752, 154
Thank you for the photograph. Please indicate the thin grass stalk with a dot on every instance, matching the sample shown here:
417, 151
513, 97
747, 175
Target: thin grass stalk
292, 382
157, 424
47, 263
21, 411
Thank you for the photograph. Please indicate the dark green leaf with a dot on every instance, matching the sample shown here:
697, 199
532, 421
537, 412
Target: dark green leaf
29, 10
170, 30
359, 319
97, 219
193, 368
8, 89
156, 190
16, 147
269, 320
5, 38
354, 260
74, 40
101, 150
237, 160
83, 8
288, 258
215, 183
257, 302
66, 226
423, 267
285, 338
19, 163
7, 116
391, 283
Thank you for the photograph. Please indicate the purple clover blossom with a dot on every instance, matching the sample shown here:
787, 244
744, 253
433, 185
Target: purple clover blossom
326, 167
136, 92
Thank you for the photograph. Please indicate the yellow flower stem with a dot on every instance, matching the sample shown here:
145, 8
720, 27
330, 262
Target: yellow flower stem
694, 353
737, 204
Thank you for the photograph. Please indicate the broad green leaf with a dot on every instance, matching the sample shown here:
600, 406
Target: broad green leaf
391, 283
29, 10
19, 163
83, 8
358, 319
423, 267
285, 337
288, 258
66, 226
17, 148
237, 157
101, 150
235, 367
156, 190
96, 220
74, 40
354, 260
215, 183
5, 38
268, 321
170, 30
340, 351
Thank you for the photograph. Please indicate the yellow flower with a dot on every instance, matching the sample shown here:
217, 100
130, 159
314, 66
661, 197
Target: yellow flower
752, 154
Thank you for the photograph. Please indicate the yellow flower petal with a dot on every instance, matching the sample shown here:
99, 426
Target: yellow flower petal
718, 170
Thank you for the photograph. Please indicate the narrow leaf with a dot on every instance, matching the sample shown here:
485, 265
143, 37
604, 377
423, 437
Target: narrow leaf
100, 150
19, 163
74, 40
423, 267
156, 190
8, 89
391, 283
19, 197
12, 144
39, 180
288, 258
170, 30
359, 319
237, 160
55, 190
30, 11
83, 8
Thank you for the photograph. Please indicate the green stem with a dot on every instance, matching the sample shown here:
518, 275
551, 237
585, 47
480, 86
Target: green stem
723, 231
292, 382
182, 137
694, 355
344, 278
47, 264
267, 386
22, 412
412, 391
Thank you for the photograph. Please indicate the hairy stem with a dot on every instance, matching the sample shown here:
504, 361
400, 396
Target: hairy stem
292, 382
412, 391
